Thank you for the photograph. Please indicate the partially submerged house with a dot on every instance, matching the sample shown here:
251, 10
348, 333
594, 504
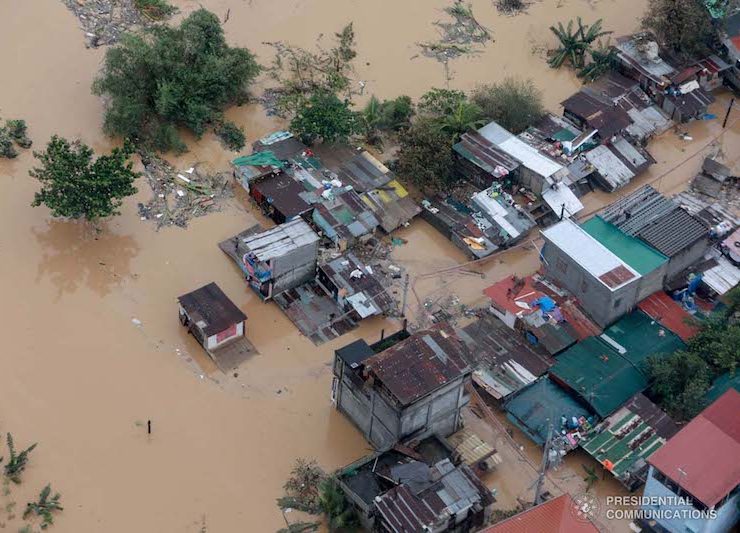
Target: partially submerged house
344, 218
355, 287
541, 174
278, 259
415, 387
591, 112
624, 441
410, 490
662, 224
640, 59
217, 324
605, 285
481, 162
618, 163
604, 372
508, 223
545, 411
547, 316
698, 470
504, 362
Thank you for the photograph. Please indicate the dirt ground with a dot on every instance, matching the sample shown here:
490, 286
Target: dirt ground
80, 377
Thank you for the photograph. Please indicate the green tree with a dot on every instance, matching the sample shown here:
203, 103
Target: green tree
680, 381
574, 43
603, 59
465, 115
44, 507
17, 461
718, 343
75, 186
231, 135
425, 156
684, 27
514, 104
325, 118
437, 103
339, 512
169, 78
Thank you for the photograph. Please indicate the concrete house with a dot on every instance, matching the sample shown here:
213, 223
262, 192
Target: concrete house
699, 465
279, 258
662, 224
605, 285
413, 388
217, 324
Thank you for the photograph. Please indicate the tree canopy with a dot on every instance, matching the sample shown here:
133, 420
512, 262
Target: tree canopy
324, 117
515, 104
75, 186
425, 156
684, 27
173, 77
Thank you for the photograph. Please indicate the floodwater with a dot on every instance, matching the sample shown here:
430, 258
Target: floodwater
78, 376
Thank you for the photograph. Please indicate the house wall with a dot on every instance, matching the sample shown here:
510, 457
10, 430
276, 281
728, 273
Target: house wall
603, 305
383, 424
213, 342
506, 317
727, 514
687, 257
530, 179
652, 282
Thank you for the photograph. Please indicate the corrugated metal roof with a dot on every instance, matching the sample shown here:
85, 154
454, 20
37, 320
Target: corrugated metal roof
610, 167
561, 199
559, 515
604, 116
593, 256
670, 314
673, 232
512, 221
702, 458
519, 150
212, 307
722, 277
280, 240
482, 152
636, 210
631, 250
651, 66
416, 367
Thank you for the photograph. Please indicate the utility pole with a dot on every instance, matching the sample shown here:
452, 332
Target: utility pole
543, 466
727, 116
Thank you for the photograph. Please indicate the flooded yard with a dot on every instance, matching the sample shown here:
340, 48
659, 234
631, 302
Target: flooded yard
93, 348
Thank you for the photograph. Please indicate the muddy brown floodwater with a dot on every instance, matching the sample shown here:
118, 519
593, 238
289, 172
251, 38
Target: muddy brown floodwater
78, 376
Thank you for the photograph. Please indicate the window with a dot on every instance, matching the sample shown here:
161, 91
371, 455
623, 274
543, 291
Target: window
617, 303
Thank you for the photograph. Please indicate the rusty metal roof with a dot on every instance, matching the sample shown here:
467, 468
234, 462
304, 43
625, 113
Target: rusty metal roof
421, 364
212, 307
484, 154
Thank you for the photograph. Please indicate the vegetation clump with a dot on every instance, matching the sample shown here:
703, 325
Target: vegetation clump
231, 135
680, 380
74, 186
155, 9
14, 131
17, 461
326, 118
386, 117
458, 36
684, 27
45, 507
170, 78
574, 42
514, 104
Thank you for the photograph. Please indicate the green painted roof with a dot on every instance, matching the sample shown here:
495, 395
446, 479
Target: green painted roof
631, 250
721, 385
606, 371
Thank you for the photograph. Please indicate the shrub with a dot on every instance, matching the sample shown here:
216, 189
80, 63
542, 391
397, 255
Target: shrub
231, 135
515, 104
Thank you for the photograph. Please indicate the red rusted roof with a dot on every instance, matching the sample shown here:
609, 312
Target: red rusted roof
617, 276
512, 297
559, 515
669, 313
421, 364
702, 458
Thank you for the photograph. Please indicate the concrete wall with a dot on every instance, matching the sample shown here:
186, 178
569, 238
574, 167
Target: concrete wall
530, 179
383, 424
652, 282
213, 339
603, 305
727, 514
686, 258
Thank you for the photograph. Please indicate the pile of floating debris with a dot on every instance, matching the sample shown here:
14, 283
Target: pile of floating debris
178, 197
458, 36
104, 21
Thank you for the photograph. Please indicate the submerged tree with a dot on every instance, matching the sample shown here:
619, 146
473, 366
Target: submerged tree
46, 505
514, 104
684, 27
325, 118
574, 43
74, 186
169, 78
17, 461
340, 513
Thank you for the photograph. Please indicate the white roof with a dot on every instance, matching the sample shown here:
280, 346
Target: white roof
280, 240
527, 155
561, 194
610, 166
593, 256
497, 211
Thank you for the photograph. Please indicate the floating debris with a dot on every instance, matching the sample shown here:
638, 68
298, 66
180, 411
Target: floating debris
177, 198
459, 36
